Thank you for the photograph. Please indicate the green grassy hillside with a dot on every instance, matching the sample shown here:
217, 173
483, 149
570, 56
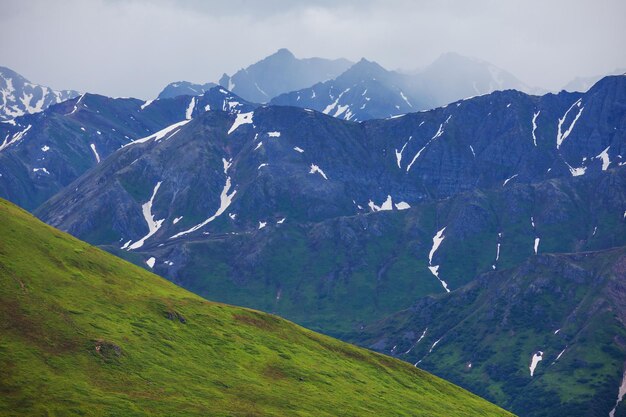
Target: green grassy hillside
85, 333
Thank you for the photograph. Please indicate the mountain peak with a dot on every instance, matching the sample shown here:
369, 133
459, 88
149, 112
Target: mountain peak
282, 53
365, 69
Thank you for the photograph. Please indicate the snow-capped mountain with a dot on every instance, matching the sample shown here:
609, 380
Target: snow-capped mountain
18, 96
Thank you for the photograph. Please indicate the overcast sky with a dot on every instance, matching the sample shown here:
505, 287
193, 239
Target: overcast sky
135, 47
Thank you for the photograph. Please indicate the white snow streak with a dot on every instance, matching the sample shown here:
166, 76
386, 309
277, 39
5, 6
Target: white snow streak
536, 249
95, 152
15, 138
273, 134
434, 269
399, 154
620, 395
535, 126
190, 108
160, 134
418, 340
298, 149
508, 179
153, 225
433, 346
227, 164
438, 134
561, 136
146, 104
262, 225
559, 355
225, 200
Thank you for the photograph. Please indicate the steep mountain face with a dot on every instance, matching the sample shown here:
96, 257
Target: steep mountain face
368, 91
282, 177
279, 73
86, 333
43, 152
185, 88
546, 338
18, 96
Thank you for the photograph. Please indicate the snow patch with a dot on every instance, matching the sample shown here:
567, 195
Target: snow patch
150, 262
316, 169
434, 269
535, 359
536, 248
604, 155
177, 219
262, 225
273, 134
241, 119
297, 149
402, 205
385, 206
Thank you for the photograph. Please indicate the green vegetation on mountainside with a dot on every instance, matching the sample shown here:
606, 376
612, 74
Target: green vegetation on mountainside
85, 333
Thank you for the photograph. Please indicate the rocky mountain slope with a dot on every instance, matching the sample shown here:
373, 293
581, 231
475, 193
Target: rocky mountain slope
545, 338
86, 333
42, 153
18, 96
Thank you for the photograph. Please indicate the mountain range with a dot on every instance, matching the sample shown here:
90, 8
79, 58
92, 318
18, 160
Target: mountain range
482, 240
359, 91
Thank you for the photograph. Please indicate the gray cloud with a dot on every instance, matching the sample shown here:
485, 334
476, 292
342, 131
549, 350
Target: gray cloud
134, 48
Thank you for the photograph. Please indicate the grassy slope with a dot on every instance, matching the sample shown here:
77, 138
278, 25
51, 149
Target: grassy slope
84, 333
